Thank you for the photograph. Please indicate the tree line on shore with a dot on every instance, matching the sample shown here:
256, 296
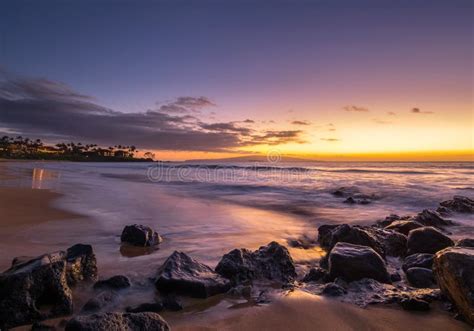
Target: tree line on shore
26, 148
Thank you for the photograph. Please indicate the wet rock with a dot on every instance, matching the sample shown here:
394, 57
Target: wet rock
333, 290
466, 242
415, 304
315, 274
115, 283
427, 240
431, 218
34, 290
42, 327
329, 236
154, 307
460, 204
420, 277
140, 235
170, 302
354, 262
118, 321
393, 243
395, 277
102, 300
404, 227
272, 262
182, 274
241, 291
304, 242
81, 264
454, 272
422, 260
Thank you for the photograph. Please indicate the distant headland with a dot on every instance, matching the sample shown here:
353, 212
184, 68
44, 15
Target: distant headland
34, 149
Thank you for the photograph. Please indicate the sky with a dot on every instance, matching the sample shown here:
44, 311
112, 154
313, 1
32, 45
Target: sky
209, 79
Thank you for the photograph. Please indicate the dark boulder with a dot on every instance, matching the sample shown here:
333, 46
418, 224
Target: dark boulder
393, 243
333, 290
315, 274
272, 262
353, 262
390, 219
118, 322
329, 236
454, 272
427, 240
420, 277
421, 260
114, 283
415, 304
404, 227
140, 235
395, 277
431, 218
35, 290
81, 264
466, 242
103, 300
172, 303
154, 307
42, 327
459, 204
182, 274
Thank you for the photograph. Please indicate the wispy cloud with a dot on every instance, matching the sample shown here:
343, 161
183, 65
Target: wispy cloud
301, 123
391, 113
355, 108
379, 121
330, 139
187, 104
419, 111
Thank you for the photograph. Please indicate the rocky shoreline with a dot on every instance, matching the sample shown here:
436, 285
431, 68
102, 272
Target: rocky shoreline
403, 260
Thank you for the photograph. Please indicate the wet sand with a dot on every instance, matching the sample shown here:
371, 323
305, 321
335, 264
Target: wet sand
26, 209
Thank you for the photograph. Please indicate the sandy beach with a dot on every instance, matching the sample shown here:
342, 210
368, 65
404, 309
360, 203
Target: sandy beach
31, 214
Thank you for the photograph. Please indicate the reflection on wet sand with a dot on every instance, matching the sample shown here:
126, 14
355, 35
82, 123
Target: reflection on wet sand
44, 179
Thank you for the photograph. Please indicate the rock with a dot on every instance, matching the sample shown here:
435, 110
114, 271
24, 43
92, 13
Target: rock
182, 274
140, 235
154, 307
333, 290
303, 242
427, 240
115, 283
422, 260
459, 204
100, 301
118, 322
395, 277
393, 243
415, 304
42, 327
404, 227
315, 274
330, 236
170, 302
431, 218
354, 262
81, 264
466, 242
272, 262
454, 272
34, 290
241, 291
350, 200
420, 277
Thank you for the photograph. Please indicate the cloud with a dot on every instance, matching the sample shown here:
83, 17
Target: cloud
330, 139
249, 121
301, 123
183, 105
355, 108
379, 121
419, 111
52, 111
391, 113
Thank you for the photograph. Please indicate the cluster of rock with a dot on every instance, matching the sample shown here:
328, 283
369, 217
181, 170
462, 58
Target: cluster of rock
362, 266
352, 195
359, 267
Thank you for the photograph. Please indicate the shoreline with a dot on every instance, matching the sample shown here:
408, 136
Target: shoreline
299, 310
